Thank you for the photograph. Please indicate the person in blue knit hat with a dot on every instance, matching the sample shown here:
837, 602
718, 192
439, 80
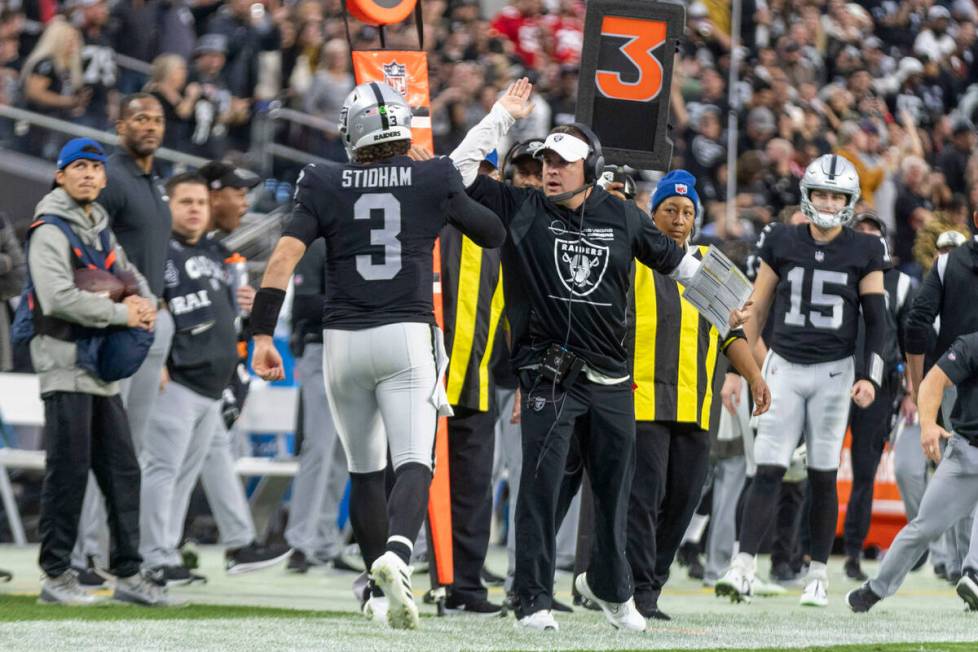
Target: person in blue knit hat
675, 354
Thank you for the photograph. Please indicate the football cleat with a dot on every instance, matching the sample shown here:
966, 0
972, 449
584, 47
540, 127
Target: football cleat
815, 593
393, 577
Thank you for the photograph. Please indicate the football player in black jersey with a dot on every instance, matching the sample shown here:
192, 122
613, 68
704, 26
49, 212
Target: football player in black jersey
817, 276
380, 215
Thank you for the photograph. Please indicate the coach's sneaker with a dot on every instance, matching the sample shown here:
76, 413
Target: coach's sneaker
816, 592
459, 606
862, 599
967, 589
738, 582
65, 589
144, 589
253, 557
622, 615
176, 576
540, 621
393, 577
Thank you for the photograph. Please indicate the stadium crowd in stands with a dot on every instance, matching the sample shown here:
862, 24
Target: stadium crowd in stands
888, 84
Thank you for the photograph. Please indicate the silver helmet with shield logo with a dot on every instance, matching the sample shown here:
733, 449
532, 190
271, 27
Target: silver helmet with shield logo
374, 113
831, 173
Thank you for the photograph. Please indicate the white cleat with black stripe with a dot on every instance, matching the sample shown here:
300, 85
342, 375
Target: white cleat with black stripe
393, 577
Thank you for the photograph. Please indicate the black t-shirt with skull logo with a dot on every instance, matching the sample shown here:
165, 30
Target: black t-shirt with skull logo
566, 274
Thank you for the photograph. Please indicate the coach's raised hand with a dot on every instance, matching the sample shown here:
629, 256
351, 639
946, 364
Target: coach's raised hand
516, 99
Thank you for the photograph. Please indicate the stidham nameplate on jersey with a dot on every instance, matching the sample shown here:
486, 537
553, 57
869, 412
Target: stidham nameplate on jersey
717, 289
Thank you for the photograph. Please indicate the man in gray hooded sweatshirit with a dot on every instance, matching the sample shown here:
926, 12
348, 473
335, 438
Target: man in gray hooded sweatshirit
85, 421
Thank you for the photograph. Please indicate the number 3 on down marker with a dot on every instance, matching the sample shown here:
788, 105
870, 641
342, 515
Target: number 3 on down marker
643, 37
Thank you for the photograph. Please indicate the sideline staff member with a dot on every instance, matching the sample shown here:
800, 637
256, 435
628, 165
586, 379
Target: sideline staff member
676, 352
567, 265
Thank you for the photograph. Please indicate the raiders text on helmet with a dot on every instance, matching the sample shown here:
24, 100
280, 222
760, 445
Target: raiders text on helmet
831, 173
374, 113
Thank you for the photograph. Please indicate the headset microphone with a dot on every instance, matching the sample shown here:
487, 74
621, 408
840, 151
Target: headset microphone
564, 196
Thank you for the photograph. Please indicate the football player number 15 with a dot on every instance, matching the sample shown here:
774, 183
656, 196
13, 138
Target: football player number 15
643, 36
385, 237
819, 299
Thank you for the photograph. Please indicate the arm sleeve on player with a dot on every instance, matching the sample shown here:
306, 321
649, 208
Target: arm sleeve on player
474, 220
305, 222
481, 140
874, 314
959, 362
656, 250
926, 307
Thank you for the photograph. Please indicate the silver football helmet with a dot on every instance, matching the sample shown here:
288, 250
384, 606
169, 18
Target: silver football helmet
374, 113
834, 174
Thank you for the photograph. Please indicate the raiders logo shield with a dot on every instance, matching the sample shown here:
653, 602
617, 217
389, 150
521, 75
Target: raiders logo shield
395, 76
581, 264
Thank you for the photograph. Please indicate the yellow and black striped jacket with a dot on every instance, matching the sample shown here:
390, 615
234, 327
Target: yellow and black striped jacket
674, 351
472, 299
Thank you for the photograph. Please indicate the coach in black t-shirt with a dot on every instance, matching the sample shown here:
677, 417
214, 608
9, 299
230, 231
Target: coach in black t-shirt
567, 265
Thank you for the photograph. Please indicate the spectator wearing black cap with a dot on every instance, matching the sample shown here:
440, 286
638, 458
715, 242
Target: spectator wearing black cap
953, 161
217, 109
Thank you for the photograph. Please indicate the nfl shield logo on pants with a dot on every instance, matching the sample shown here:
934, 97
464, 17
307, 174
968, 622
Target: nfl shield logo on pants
395, 76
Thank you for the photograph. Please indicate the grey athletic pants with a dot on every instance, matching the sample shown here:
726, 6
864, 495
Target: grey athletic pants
139, 397
177, 441
951, 495
224, 491
383, 392
318, 486
911, 470
811, 399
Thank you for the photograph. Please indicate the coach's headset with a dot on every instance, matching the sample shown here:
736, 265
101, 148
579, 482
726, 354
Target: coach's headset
593, 163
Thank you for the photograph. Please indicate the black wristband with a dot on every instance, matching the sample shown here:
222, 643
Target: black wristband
264, 313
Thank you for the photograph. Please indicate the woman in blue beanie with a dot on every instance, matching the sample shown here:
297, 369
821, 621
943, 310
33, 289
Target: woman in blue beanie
675, 352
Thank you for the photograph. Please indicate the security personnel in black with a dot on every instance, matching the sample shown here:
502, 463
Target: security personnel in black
472, 299
567, 265
870, 426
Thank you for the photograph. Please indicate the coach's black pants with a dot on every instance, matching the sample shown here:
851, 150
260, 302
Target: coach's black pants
671, 464
870, 430
589, 426
82, 432
471, 441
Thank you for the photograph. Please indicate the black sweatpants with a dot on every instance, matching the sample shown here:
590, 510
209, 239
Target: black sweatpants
870, 430
82, 432
471, 442
671, 465
589, 426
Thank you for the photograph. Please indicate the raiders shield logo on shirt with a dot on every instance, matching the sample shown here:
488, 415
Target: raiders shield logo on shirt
581, 264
